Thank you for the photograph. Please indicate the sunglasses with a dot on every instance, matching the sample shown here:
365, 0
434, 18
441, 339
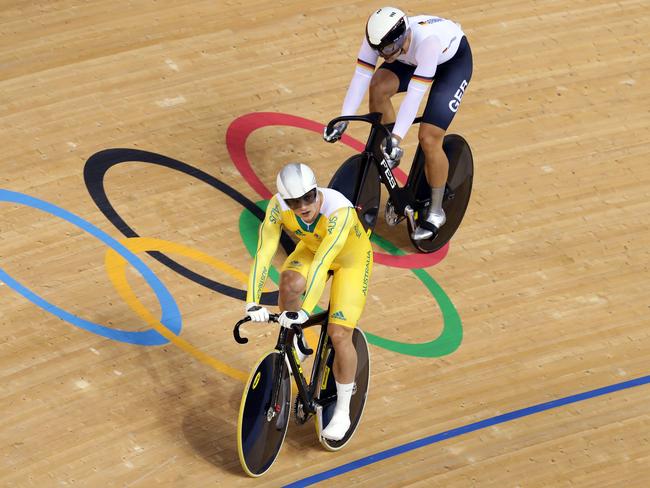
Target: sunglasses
307, 199
398, 34
392, 48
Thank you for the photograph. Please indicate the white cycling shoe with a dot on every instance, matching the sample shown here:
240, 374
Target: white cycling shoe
430, 226
338, 426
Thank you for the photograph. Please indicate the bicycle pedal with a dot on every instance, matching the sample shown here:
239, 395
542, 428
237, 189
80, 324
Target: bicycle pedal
449, 194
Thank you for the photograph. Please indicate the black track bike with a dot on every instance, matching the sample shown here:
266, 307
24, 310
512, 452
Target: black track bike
360, 176
266, 403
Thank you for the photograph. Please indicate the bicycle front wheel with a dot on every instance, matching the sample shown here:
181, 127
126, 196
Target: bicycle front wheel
262, 425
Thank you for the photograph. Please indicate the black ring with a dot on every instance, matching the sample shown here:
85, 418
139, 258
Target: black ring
95, 170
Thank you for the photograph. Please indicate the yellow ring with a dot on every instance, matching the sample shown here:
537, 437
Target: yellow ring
116, 269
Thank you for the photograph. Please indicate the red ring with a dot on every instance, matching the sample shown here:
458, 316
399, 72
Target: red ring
236, 136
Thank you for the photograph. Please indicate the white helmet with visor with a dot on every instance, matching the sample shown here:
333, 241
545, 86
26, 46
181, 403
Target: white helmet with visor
386, 30
295, 181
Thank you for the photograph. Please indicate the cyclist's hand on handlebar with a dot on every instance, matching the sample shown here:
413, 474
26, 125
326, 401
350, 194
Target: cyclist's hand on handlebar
336, 132
256, 312
287, 319
393, 157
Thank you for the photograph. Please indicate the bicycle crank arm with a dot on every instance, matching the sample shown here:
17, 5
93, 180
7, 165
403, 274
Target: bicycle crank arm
410, 214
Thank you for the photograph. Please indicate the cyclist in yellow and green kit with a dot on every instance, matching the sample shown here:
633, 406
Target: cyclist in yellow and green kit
331, 238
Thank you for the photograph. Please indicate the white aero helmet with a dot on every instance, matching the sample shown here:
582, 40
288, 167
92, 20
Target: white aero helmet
294, 180
386, 30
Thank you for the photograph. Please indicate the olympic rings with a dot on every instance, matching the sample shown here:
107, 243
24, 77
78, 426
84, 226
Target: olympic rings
236, 136
170, 324
94, 172
170, 314
116, 268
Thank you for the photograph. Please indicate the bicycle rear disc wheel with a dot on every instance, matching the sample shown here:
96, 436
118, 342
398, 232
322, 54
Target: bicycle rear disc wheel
345, 180
259, 438
457, 193
326, 392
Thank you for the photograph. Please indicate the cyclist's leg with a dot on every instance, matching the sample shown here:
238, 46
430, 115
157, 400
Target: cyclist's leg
436, 164
292, 285
293, 277
345, 361
389, 79
347, 300
436, 168
450, 83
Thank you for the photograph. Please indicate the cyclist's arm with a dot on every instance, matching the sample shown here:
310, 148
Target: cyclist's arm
338, 227
427, 58
267, 243
366, 61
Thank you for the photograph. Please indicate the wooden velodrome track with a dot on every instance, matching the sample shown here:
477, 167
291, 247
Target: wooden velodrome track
542, 296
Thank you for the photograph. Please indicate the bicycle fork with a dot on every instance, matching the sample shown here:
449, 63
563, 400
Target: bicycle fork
275, 407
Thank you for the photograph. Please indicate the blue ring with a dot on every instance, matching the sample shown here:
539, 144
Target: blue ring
170, 318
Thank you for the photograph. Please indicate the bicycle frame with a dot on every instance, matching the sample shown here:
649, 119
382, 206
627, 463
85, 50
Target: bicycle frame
284, 345
405, 199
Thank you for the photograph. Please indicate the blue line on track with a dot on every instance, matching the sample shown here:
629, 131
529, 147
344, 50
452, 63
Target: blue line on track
499, 419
